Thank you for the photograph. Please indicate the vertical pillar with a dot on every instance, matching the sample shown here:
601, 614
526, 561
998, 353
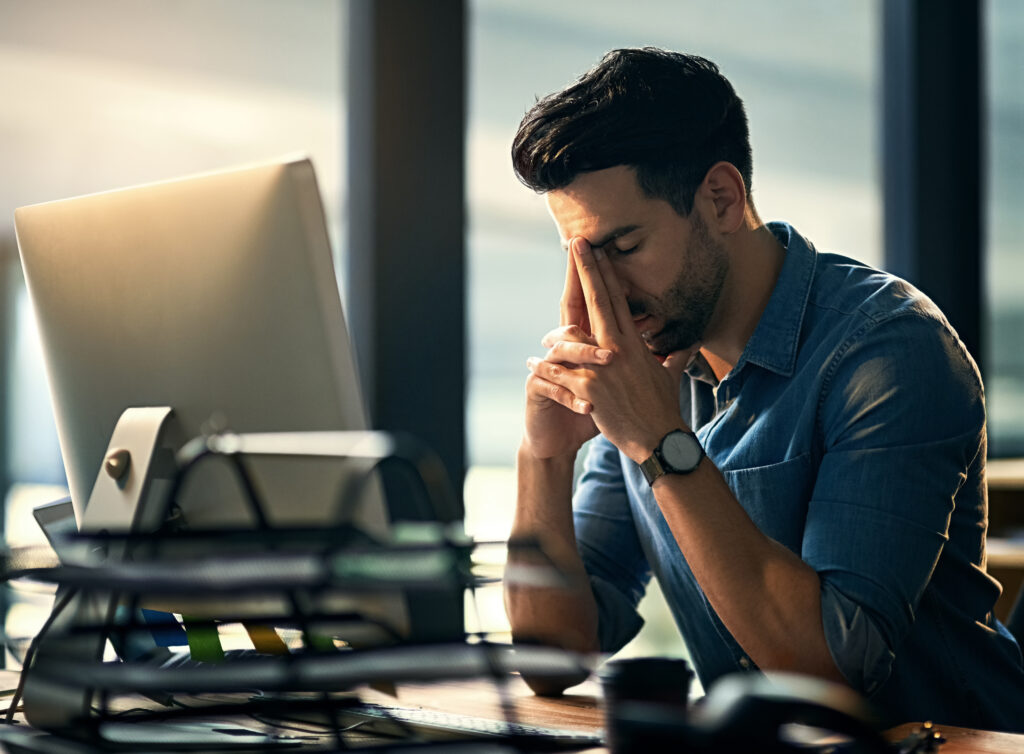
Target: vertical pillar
406, 106
932, 150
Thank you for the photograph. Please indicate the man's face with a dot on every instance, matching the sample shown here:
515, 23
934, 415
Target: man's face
670, 269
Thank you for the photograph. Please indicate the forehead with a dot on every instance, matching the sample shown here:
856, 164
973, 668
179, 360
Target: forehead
599, 202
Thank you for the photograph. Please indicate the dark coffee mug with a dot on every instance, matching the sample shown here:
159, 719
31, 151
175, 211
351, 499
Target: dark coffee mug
640, 693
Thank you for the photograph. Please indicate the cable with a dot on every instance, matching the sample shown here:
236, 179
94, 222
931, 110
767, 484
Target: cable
310, 728
30, 653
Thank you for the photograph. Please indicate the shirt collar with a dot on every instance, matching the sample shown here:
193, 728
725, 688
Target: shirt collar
776, 339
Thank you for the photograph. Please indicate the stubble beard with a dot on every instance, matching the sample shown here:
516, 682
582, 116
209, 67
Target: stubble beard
688, 305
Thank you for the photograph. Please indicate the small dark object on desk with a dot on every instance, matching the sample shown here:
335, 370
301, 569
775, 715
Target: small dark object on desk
925, 740
642, 685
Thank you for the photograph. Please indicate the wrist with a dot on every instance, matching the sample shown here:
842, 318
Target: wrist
527, 453
644, 448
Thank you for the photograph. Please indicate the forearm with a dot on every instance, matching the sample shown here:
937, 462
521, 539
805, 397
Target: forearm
767, 597
564, 616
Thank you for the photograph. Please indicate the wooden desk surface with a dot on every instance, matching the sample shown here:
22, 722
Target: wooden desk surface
578, 710
581, 710
966, 740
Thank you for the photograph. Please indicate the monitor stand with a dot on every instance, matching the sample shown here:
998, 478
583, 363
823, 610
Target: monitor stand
130, 465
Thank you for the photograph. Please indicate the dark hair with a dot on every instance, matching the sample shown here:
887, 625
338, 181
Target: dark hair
669, 115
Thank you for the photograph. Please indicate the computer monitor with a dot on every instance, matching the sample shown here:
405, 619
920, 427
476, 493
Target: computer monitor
215, 296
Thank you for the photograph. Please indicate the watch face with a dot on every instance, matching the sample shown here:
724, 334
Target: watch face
681, 451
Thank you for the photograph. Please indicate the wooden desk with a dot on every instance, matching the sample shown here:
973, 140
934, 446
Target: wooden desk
580, 710
577, 710
966, 740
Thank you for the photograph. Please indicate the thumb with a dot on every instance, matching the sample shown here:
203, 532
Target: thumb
677, 362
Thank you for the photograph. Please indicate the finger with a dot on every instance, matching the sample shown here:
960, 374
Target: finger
541, 390
574, 378
619, 306
569, 332
564, 351
573, 307
603, 323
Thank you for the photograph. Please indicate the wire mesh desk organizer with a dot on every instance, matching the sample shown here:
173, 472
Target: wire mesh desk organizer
322, 586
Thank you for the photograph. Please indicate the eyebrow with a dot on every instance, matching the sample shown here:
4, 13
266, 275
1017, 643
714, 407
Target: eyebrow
607, 238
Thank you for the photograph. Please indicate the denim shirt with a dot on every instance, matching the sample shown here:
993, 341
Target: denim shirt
852, 431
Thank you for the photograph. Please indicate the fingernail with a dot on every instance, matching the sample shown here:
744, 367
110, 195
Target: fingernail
604, 354
531, 362
581, 406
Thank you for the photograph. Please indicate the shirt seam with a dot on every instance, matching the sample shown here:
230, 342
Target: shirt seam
871, 321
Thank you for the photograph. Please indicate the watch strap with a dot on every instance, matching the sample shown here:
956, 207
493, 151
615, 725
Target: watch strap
652, 468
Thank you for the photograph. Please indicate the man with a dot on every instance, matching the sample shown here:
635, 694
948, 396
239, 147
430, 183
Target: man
791, 442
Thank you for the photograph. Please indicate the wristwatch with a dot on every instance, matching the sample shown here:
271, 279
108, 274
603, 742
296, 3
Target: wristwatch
678, 452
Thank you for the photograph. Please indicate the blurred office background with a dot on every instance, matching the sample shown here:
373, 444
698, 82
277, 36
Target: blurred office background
111, 93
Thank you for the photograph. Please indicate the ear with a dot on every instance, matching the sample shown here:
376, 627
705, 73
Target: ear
725, 196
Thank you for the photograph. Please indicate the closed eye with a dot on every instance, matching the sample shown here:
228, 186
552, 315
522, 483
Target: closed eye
626, 252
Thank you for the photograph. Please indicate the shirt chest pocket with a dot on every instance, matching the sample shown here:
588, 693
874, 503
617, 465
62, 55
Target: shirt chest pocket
776, 496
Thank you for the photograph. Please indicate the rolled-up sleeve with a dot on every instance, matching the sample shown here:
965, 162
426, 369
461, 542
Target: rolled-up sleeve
608, 544
902, 421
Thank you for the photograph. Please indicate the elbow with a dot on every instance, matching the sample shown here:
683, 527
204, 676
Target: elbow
554, 685
862, 646
554, 680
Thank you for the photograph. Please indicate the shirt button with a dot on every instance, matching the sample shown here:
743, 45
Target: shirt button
745, 663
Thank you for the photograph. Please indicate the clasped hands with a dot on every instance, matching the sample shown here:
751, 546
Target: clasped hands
598, 374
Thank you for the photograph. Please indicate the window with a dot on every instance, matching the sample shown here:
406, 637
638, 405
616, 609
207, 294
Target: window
109, 94
117, 94
1004, 360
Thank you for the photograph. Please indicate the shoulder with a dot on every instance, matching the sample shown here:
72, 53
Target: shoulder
847, 286
860, 306
895, 356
